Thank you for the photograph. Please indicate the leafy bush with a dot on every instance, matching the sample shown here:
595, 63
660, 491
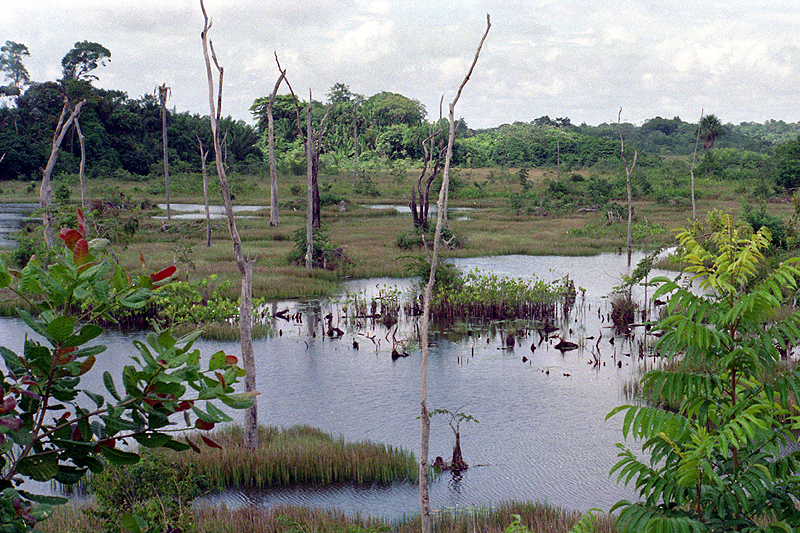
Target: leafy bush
48, 432
153, 489
721, 459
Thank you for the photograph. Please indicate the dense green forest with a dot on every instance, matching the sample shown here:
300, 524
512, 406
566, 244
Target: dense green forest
385, 130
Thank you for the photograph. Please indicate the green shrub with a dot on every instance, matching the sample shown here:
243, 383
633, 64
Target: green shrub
153, 489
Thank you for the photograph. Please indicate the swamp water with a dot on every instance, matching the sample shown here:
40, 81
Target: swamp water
542, 433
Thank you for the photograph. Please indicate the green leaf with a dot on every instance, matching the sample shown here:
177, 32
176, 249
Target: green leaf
31, 323
96, 398
137, 299
134, 524
41, 467
217, 361
118, 457
152, 440
108, 381
86, 334
115, 425
5, 279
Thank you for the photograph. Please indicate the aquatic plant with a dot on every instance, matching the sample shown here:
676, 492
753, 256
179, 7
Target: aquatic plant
296, 455
487, 296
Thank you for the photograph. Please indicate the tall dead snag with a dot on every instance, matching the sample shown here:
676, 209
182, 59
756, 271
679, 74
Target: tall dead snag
203, 158
82, 170
425, 421
420, 196
273, 167
628, 172
245, 265
312, 144
46, 191
691, 170
163, 93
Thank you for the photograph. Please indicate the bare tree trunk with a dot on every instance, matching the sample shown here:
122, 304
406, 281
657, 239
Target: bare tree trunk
425, 421
82, 171
203, 158
628, 172
163, 93
273, 167
691, 170
309, 191
46, 191
355, 147
245, 265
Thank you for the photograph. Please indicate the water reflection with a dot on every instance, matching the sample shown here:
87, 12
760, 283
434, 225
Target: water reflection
542, 433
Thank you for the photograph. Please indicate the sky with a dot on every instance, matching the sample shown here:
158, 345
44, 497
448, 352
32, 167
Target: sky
582, 59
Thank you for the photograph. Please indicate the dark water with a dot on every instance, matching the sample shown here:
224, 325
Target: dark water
542, 434
12, 220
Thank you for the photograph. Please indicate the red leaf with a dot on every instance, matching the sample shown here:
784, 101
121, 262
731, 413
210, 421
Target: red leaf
70, 237
192, 445
221, 379
210, 442
203, 425
108, 443
81, 252
81, 224
231, 360
163, 274
141, 260
183, 406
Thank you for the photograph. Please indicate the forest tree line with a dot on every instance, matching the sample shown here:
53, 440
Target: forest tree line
123, 134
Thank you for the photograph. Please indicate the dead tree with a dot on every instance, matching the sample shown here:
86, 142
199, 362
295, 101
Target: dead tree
425, 421
82, 170
273, 167
245, 265
628, 172
163, 93
691, 170
312, 143
46, 190
203, 158
420, 196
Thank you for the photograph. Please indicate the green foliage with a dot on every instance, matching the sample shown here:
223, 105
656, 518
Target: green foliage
325, 254
50, 427
759, 218
154, 490
61, 193
718, 462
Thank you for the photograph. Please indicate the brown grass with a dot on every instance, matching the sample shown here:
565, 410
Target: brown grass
537, 517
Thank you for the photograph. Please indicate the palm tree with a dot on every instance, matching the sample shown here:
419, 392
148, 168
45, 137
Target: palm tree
710, 129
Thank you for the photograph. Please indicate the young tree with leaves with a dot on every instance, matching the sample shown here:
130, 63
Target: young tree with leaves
54, 429
717, 459
11, 55
425, 421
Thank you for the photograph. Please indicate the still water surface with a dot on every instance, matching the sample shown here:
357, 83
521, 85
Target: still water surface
542, 434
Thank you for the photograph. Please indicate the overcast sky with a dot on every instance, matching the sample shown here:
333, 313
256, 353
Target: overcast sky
582, 59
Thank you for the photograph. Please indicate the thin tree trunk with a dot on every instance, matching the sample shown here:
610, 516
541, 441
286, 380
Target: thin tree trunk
355, 147
691, 170
628, 172
309, 192
425, 421
203, 157
163, 92
82, 171
245, 265
46, 190
274, 218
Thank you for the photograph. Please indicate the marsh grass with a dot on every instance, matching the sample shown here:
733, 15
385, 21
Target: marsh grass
537, 517
299, 454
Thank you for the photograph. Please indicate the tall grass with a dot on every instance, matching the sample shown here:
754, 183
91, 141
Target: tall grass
299, 454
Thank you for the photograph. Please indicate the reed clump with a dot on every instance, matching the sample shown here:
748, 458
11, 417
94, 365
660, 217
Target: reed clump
484, 296
299, 454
